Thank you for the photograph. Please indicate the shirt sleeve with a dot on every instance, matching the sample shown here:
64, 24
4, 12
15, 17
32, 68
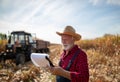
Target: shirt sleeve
81, 66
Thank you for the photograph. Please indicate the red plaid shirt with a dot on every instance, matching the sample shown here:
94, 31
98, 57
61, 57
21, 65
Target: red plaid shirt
79, 69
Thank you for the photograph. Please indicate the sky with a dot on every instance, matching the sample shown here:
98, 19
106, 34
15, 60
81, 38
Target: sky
90, 18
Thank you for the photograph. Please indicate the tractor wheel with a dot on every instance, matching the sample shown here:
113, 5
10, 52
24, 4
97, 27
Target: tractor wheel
20, 59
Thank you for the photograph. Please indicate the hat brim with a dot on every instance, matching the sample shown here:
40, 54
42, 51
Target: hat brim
75, 35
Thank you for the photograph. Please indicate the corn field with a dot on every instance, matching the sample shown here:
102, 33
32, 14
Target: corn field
103, 58
3, 41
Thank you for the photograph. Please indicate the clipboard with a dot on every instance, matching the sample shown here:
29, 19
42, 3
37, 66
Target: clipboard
41, 59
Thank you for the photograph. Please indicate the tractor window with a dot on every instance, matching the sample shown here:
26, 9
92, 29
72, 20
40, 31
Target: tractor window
12, 39
15, 37
26, 37
30, 39
21, 39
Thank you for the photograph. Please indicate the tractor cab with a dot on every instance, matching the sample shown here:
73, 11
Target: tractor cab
22, 37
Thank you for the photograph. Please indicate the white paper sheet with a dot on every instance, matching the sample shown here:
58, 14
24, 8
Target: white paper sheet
39, 60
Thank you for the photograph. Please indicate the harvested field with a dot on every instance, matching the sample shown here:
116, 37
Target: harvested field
103, 67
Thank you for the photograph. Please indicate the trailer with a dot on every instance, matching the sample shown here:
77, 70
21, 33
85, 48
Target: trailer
42, 46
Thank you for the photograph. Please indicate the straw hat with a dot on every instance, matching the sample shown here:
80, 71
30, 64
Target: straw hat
69, 30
